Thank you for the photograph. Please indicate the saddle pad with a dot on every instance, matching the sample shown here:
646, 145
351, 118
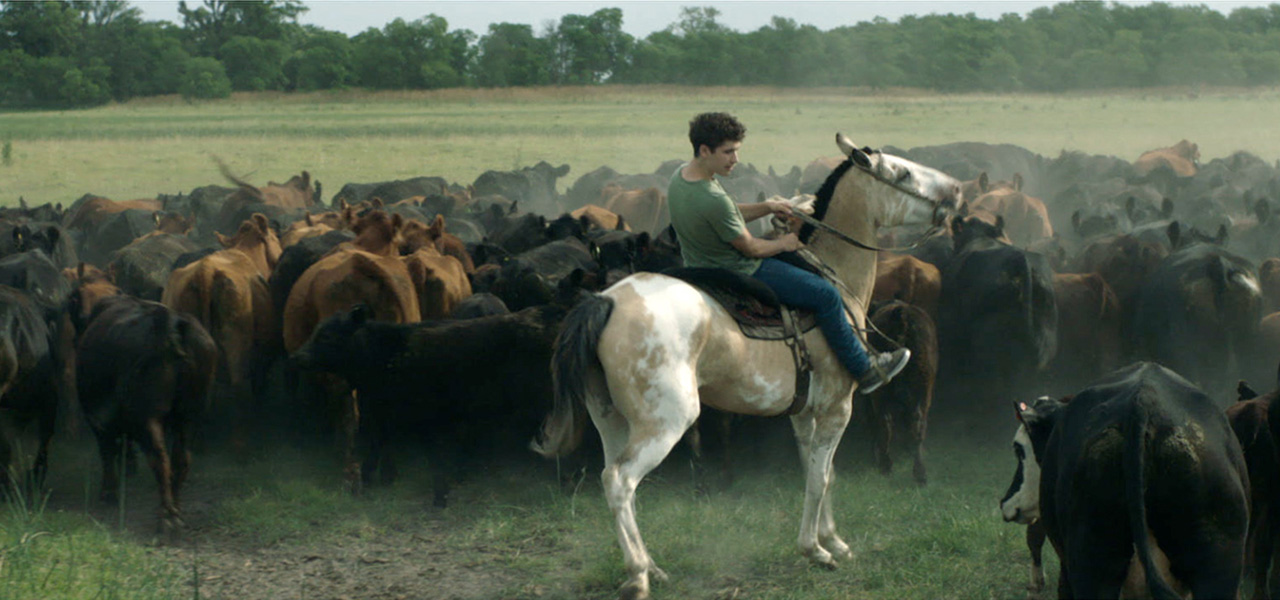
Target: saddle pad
748, 300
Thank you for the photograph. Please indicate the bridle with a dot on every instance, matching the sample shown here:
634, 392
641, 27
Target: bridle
934, 230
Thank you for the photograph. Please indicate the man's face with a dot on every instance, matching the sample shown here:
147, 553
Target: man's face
721, 160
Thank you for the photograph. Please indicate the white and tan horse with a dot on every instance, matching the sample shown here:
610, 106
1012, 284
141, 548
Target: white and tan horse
643, 356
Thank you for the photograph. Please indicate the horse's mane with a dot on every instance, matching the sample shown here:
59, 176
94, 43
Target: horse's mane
823, 200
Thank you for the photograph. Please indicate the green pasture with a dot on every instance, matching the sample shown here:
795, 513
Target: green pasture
163, 145
513, 523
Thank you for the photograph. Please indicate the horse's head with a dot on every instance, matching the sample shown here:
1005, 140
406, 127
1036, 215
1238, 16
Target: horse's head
908, 192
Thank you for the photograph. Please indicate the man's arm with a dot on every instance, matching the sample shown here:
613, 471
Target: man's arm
754, 247
751, 212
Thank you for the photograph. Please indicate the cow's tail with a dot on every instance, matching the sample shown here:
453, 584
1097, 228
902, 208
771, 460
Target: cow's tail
575, 366
1135, 436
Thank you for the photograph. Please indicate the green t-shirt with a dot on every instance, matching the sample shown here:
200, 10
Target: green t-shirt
706, 219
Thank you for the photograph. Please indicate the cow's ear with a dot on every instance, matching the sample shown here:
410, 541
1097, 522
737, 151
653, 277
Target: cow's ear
1244, 392
1075, 220
999, 224
53, 234
155, 217
1174, 231
595, 251
984, 183
307, 218
514, 207
1222, 235
957, 226
361, 313
622, 224
643, 241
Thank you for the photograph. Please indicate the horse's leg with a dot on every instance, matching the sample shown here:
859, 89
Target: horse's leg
632, 448
818, 435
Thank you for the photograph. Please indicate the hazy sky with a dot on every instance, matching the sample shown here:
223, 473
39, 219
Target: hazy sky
639, 17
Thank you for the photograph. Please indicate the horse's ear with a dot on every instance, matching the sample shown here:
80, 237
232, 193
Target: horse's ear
852, 151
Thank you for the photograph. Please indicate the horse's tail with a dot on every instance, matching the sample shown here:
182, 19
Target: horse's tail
574, 365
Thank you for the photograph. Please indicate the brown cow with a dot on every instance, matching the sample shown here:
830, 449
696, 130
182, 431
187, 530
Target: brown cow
1269, 281
909, 279
440, 281
600, 218
644, 210
227, 293
313, 225
1181, 158
415, 235
349, 275
1250, 419
1124, 261
93, 211
1026, 218
903, 403
816, 172
1089, 343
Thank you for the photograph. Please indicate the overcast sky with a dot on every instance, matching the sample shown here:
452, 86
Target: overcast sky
639, 17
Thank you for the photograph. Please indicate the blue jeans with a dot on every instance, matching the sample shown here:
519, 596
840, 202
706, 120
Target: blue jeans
800, 288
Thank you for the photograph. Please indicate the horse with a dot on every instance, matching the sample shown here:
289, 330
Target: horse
644, 355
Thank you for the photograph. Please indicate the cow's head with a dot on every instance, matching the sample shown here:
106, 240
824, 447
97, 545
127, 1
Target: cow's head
1035, 422
332, 346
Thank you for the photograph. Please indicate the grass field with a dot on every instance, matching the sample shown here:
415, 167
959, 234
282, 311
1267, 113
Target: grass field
163, 145
511, 532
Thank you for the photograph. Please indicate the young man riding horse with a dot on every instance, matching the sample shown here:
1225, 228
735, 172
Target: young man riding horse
713, 233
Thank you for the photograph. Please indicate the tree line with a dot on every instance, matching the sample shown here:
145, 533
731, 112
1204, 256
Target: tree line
80, 53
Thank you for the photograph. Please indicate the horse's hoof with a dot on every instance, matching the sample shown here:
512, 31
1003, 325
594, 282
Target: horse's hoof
633, 591
658, 574
837, 548
822, 558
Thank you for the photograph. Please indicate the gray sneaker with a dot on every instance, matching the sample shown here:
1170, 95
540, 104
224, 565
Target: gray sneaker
884, 366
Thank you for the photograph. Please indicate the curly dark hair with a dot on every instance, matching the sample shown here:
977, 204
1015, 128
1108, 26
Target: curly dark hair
713, 129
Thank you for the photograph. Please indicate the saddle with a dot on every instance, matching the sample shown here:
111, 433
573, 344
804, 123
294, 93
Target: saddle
759, 315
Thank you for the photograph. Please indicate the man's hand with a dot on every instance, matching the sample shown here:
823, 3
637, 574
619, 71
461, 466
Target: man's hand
780, 208
790, 242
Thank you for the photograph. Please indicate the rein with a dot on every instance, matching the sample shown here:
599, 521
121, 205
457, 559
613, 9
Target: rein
846, 238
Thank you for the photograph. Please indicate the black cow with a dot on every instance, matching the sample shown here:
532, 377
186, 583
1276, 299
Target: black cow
617, 253
28, 388
534, 188
1198, 312
143, 377
482, 380
1139, 468
391, 191
1257, 431
997, 319
478, 305
143, 267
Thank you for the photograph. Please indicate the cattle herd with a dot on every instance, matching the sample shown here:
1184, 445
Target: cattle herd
424, 308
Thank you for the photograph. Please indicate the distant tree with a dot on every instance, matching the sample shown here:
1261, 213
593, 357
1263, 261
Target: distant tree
321, 62
510, 55
40, 29
254, 64
590, 48
212, 24
420, 54
204, 78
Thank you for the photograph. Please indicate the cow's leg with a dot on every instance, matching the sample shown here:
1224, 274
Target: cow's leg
635, 442
818, 433
110, 446
884, 438
1035, 544
919, 428
158, 456
348, 427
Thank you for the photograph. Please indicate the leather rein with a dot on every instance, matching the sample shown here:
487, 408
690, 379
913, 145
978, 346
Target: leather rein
848, 239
